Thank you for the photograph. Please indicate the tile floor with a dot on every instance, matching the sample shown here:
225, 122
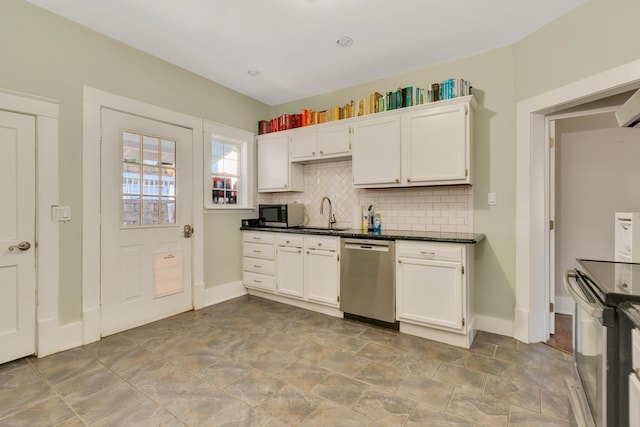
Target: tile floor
253, 362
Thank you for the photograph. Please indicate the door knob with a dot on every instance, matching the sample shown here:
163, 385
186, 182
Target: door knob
188, 231
23, 246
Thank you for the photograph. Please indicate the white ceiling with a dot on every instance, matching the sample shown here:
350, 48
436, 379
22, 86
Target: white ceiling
293, 42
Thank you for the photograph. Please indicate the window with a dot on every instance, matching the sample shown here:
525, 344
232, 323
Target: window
228, 180
148, 180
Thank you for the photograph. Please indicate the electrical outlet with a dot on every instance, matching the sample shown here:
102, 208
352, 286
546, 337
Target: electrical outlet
491, 199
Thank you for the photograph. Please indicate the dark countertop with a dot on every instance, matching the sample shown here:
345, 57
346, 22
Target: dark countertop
422, 236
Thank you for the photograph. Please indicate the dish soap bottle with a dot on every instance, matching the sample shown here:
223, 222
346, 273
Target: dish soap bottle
370, 225
377, 224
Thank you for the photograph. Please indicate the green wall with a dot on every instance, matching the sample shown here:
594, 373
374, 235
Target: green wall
46, 55
595, 37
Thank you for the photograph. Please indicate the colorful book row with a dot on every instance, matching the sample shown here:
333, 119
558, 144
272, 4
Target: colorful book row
374, 103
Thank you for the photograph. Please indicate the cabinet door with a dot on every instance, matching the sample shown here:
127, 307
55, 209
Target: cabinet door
375, 146
333, 140
430, 292
436, 146
303, 144
289, 275
273, 163
321, 276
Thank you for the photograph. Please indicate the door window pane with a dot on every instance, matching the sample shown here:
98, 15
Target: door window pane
148, 192
150, 147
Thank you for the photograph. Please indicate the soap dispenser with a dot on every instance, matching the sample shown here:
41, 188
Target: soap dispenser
370, 224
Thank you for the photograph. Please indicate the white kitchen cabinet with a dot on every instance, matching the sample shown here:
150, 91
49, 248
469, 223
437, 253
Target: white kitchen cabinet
258, 260
275, 171
322, 269
304, 144
429, 144
436, 146
320, 142
433, 291
289, 265
375, 145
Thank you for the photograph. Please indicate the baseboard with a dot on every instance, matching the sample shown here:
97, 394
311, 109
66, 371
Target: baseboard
71, 335
48, 337
199, 299
494, 325
564, 305
221, 293
91, 330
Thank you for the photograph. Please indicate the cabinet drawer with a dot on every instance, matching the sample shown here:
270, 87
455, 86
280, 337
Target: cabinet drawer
429, 251
258, 265
260, 281
258, 250
250, 236
326, 243
294, 241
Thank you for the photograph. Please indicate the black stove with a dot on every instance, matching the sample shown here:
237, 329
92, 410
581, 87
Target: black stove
614, 282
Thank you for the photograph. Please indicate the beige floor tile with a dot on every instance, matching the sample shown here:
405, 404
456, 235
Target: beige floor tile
515, 392
425, 390
483, 410
386, 408
255, 388
344, 363
55, 411
460, 377
303, 374
426, 416
330, 414
340, 389
383, 376
501, 368
291, 405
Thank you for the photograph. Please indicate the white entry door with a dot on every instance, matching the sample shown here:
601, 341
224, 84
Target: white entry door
146, 210
17, 235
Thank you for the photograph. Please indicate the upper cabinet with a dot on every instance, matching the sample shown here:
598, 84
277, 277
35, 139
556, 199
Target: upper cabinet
436, 145
376, 152
275, 171
420, 146
424, 145
326, 141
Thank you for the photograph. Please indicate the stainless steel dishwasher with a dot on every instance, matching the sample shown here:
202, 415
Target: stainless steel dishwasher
367, 281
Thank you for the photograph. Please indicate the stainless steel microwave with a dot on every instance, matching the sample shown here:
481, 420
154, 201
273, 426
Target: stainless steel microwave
286, 215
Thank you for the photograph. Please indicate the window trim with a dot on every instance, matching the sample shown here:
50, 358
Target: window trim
246, 141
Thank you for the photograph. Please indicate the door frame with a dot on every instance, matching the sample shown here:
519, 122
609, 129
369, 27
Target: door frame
46, 113
93, 102
531, 309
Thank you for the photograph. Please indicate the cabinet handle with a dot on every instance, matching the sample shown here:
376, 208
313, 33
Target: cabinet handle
428, 253
299, 251
319, 244
255, 251
308, 253
408, 179
321, 152
257, 238
313, 153
399, 261
257, 281
398, 180
287, 241
257, 266
286, 186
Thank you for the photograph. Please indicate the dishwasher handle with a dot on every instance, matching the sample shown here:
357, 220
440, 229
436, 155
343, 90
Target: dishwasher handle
378, 247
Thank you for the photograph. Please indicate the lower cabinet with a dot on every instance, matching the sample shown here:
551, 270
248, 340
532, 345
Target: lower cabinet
322, 269
289, 265
258, 261
433, 291
297, 267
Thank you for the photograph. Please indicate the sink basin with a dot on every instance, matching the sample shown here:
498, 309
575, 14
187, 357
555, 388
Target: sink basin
324, 228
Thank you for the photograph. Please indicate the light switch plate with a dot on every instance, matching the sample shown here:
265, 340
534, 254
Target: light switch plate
61, 213
491, 199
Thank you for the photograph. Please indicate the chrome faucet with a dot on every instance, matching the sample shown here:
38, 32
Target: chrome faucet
332, 217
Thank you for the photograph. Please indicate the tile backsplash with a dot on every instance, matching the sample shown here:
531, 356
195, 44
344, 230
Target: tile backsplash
443, 208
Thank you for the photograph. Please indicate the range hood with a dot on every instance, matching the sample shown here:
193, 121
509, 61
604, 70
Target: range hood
629, 114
